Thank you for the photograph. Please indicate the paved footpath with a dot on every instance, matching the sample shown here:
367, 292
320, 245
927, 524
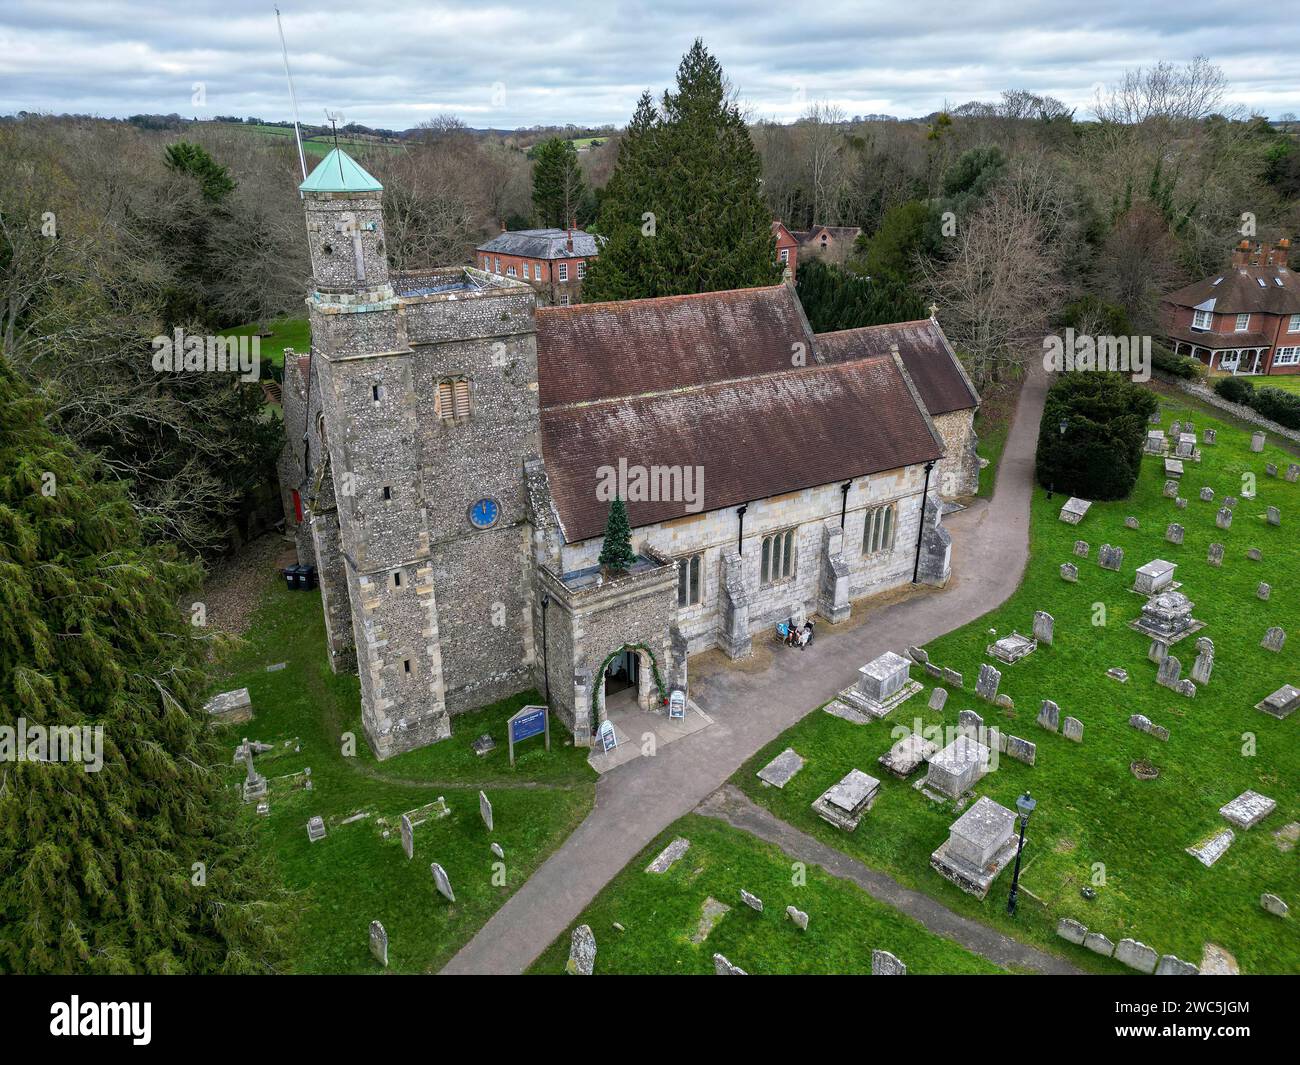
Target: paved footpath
733, 806
750, 708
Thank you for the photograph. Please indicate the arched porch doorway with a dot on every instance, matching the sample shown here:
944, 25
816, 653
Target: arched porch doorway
626, 683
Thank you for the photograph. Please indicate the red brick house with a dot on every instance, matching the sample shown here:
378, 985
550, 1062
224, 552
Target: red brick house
834, 244
1244, 319
553, 261
787, 248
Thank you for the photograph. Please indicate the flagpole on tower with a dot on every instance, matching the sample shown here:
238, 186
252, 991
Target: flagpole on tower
293, 96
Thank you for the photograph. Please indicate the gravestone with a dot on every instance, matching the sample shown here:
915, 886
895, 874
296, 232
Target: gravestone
885, 964
1263, 591
496, 849
799, 918
485, 744
1223, 518
956, 769
918, 656
1230, 502
1154, 577
1075, 510
1254, 554
1175, 429
846, 802
1099, 944
1214, 848
1293, 473
1070, 929
1011, 649
907, 755
1155, 418
1171, 489
379, 943
937, 698
1282, 703
315, 828
1130, 522
1049, 716
1174, 533
1185, 447
485, 810
1171, 965
1155, 442
441, 881
1257, 442
1273, 640
1111, 558
1207, 495
1044, 624
987, 685
1118, 673
980, 844
1210, 436
1204, 664
1081, 548
969, 722
933, 670
951, 678
1273, 516
665, 858
1173, 468
1072, 729
781, 769
1270, 468
1169, 672
1022, 750
1248, 809
1215, 555
408, 837
230, 708
722, 967
582, 952
752, 901
1136, 955
254, 783
1273, 904
884, 683
1180, 503
1069, 572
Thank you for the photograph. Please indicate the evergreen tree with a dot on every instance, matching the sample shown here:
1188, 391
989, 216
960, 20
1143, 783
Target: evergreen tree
558, 191
683, 211
616, 552
213, 178
98, 869
833, 298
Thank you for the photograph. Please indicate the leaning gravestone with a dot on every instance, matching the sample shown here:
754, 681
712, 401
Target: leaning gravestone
408, 837
1136, 955
485, 810
1204, 664
1081, 548
798, 917
1174, 534
1169, 672
1223, 518
1293, 473
1111, 558
951, 678
441, 882
752, 901
1273, 516
937, 698
722, 967
1171, 489
1072, 729
1069, 572
1254, 554
1130, 522
1043, 626
1270, 469
379, 943
885, 964
1207, 495
1273, 904
1273, 640
1049, 716
1215, 556
987, 685
582, 952
1257, 442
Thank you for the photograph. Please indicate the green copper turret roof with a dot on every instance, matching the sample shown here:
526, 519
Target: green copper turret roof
339, 172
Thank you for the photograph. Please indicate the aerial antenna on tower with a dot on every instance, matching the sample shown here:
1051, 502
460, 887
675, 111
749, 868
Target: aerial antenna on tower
334, 119
293, 96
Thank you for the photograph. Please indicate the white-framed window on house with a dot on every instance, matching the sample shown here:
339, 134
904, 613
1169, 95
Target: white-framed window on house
451, 402
1293, 326
1202, 319
564, 272
689, 580
878, 533
498, 262
564, 300
778, 557
1287, 356
487, 264
510, 271
582, 270
785, 256
537, 271
1243, 323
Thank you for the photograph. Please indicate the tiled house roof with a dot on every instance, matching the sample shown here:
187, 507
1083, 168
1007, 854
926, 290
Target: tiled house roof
543, 244
1239, 291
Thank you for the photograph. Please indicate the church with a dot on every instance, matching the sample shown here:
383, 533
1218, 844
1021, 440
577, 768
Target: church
454, 448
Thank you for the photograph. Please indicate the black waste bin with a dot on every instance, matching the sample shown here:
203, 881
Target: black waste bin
294, 577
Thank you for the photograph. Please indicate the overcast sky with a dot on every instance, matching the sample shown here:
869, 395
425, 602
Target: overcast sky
533, 62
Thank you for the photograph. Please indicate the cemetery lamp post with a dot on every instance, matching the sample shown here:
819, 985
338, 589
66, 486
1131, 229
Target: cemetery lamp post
1025, 805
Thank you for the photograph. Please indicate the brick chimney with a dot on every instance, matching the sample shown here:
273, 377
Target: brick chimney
573, 224
1262, 254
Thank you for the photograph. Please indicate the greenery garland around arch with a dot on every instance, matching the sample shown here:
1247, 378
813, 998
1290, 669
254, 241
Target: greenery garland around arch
599, 686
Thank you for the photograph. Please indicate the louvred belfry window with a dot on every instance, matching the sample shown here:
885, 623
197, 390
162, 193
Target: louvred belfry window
453, 399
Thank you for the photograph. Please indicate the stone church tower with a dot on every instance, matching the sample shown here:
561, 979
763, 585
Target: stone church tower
428, 411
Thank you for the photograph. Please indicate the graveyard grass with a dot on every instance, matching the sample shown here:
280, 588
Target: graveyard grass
660, 912
354, 875
1095, 823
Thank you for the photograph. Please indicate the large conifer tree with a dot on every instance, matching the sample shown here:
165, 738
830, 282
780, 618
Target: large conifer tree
557, 183
683, 210
98, 869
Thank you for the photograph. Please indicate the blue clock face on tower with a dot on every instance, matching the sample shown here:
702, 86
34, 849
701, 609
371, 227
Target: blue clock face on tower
484, 513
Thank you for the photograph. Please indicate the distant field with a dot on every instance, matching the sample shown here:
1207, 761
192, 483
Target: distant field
588, 142
284, 333
316, 146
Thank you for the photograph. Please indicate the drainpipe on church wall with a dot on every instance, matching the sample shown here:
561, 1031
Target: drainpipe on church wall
920, 535
740, 536
844, 501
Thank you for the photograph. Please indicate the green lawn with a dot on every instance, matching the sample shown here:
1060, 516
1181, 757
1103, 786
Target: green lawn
354, 875
284, 333
1288, 383
660, 914
1094, 818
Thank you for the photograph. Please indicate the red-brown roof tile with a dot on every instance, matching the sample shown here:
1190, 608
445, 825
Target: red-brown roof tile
1239, 291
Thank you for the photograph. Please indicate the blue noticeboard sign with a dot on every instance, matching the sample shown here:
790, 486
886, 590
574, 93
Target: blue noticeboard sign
529, 722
